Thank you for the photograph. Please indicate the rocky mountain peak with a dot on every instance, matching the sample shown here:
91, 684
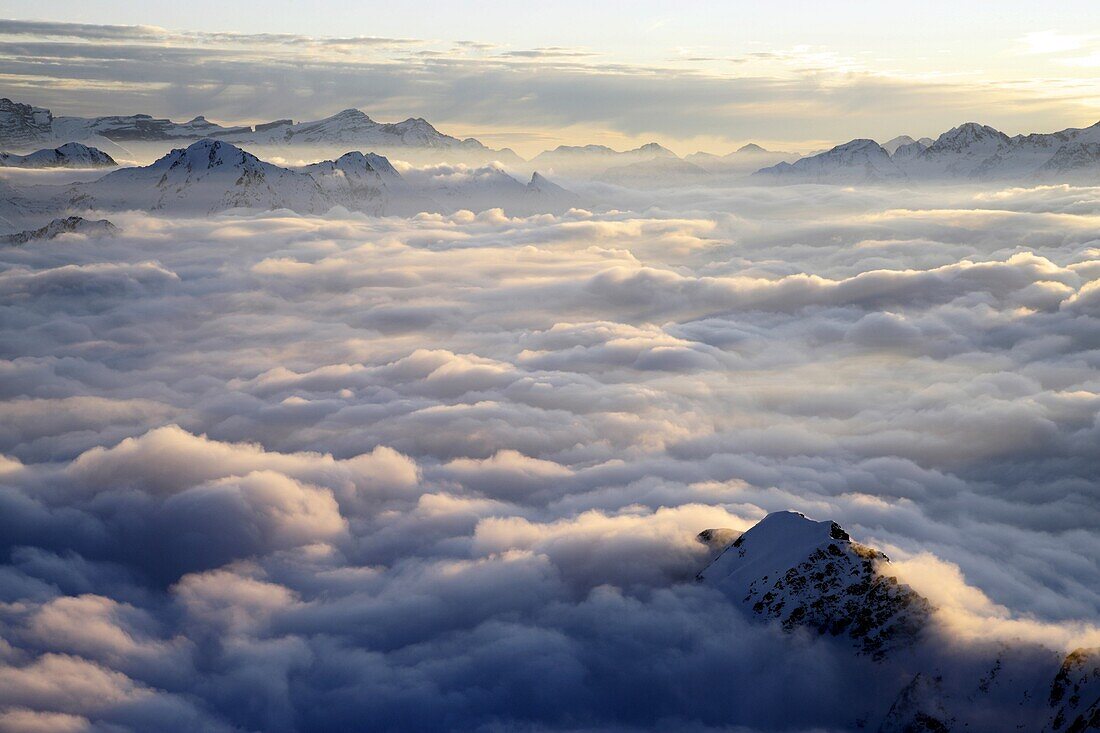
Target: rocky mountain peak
809, 574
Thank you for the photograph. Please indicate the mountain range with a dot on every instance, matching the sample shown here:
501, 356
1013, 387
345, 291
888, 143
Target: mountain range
810, 577
969, 152
22, 125
210, 176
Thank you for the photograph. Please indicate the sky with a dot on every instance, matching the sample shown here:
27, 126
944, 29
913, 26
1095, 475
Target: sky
695, 75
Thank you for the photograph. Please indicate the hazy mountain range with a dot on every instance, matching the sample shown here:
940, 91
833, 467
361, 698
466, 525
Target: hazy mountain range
210, 176
969, 152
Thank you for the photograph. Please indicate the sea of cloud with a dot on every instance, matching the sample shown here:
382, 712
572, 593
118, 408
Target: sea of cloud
445, 473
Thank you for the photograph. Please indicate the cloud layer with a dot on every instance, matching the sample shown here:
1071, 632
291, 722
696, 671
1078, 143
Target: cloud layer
284, 473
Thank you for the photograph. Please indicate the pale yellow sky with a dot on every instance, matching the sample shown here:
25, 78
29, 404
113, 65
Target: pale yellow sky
790, 76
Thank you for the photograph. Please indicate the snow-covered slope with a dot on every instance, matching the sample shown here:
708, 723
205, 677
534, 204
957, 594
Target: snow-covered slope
810, 574
969, 152
858, 161
959, 152
69, 155
57, 227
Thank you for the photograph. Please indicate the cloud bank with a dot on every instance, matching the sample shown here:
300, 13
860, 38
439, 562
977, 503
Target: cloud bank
291, 474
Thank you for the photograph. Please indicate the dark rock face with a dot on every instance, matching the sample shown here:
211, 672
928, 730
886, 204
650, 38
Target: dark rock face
918, 709
22, 124
1075, 694
839, 591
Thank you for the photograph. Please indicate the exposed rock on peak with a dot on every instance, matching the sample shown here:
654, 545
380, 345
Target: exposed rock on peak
1075, 694
809, 574
718, 538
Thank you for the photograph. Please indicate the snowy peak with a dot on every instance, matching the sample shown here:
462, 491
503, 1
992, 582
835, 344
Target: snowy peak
967, 135
207, 155
543, 185
205, 177
653, 149
856, 161
542, 194
69, 155
57, 227
809, 574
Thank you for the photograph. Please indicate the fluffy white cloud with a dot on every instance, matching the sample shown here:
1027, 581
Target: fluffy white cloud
289, 473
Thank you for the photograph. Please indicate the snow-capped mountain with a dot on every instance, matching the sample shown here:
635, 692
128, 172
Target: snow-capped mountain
959, 152
542, 194
353, 127
210, 176
206, 177
809, 576
57, 227
367, 183
858, 161
969, 152
69, 155
22, 125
